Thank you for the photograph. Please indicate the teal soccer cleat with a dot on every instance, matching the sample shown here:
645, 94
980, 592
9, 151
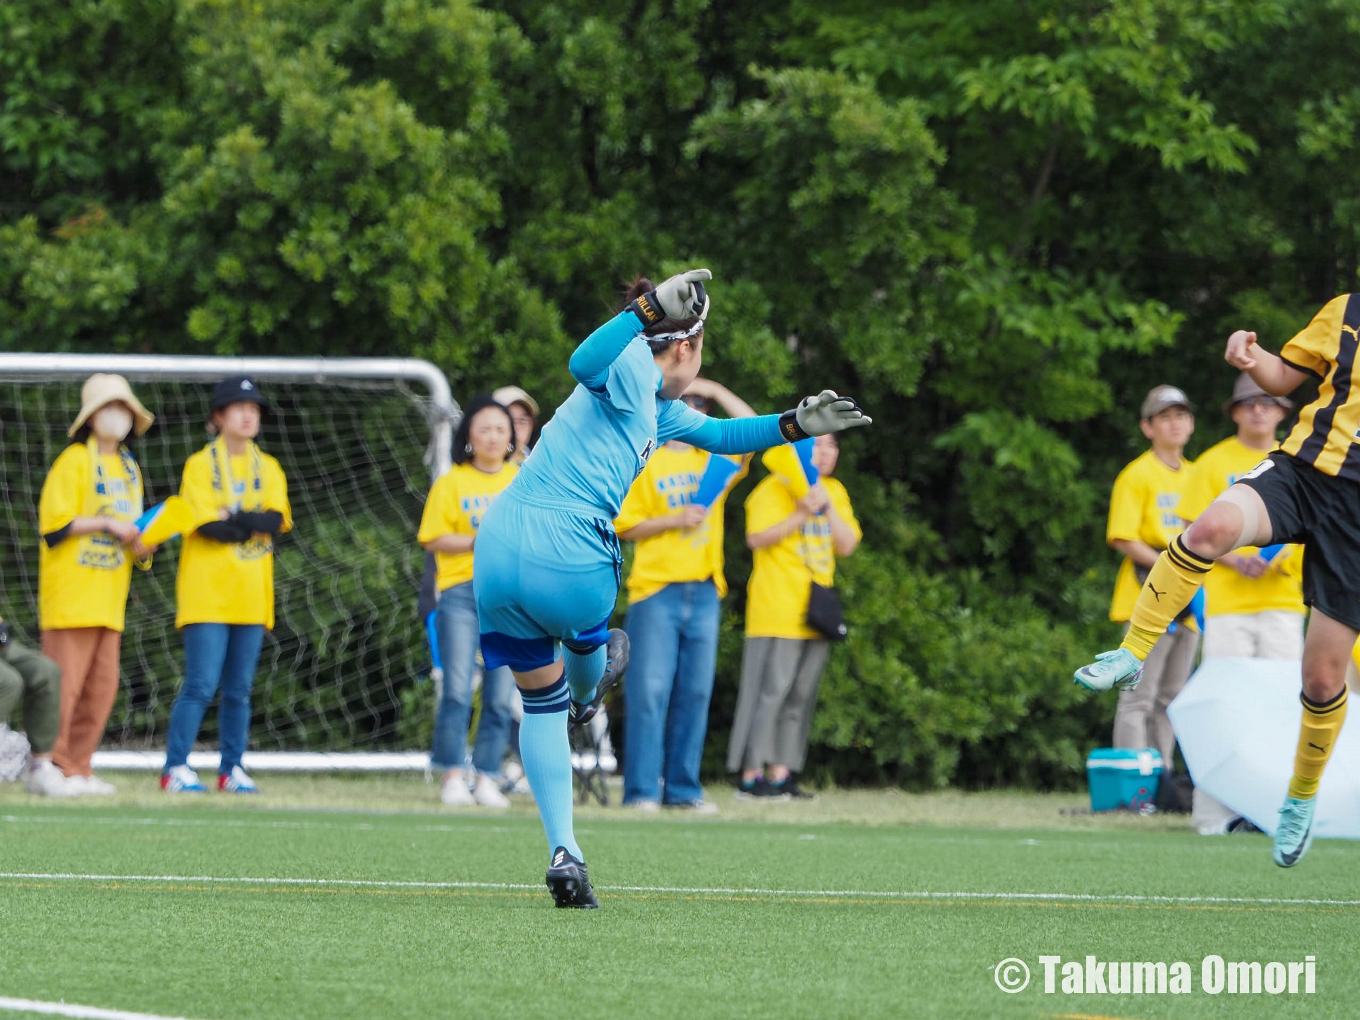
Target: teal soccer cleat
1295, 833
1119, 669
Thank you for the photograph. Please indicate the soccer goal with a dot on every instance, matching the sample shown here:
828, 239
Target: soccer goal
342, 678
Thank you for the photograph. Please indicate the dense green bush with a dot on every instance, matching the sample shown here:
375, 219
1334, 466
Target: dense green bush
997, 224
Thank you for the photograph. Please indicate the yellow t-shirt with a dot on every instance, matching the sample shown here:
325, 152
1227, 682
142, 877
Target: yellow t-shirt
668, 483
1144, 507
83, 581
455, 506
782, 574
229, 582
1225, 590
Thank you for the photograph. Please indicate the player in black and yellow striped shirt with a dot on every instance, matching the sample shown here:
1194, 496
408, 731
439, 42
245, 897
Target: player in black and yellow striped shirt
1308, 492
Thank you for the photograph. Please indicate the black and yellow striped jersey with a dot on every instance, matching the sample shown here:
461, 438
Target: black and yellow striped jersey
1327, 435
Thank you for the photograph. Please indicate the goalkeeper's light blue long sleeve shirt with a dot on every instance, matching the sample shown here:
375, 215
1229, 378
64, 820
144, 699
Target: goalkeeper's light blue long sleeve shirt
601, 437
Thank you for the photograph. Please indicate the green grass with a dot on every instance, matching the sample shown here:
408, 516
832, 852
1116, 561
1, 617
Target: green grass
693, 921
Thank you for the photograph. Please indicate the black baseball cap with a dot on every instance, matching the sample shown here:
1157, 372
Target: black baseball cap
236, 390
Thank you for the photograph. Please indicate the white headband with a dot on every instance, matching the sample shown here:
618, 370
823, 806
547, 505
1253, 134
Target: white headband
683, 334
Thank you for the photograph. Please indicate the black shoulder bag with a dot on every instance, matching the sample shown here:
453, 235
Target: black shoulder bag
825, 614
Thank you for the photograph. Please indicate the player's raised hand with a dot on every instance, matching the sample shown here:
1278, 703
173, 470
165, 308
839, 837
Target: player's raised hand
683, 295
1241, 352
827, 412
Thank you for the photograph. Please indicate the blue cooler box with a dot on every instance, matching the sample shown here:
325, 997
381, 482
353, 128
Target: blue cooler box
1123, 779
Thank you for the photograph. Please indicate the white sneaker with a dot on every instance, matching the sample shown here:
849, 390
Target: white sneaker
75, 786
456, 793
645, 807
98, 788
14, 760
181, 779
236, 781
46, 780
488, 794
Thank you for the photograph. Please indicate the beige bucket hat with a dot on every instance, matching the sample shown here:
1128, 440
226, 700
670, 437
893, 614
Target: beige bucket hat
102, 389
508, 395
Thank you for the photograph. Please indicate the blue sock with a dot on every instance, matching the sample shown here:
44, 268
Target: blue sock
583, 672
546, 754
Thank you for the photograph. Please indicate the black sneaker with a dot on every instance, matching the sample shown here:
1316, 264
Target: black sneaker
569, 883
616, 662
793, 791
760, 789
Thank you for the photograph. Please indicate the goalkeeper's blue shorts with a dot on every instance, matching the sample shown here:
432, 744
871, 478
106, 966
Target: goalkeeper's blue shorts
543, 573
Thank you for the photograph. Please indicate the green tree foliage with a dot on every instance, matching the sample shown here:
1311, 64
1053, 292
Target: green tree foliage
997, 223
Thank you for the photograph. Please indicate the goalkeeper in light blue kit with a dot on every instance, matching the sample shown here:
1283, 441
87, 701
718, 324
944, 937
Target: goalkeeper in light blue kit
546, 560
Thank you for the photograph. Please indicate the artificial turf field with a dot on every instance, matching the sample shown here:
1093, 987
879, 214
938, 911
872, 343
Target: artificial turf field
348, 898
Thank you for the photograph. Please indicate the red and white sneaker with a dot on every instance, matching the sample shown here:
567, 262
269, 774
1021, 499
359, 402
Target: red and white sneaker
181, 779
236, 781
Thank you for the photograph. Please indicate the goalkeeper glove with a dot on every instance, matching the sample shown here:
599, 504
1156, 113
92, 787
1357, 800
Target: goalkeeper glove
681, 297
820, 415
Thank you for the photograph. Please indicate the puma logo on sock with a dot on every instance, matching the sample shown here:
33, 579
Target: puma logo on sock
1156, 594
1316, 748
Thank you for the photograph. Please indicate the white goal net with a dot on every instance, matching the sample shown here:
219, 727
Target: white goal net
359, 439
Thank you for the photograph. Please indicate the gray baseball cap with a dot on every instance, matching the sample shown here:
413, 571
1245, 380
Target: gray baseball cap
1246, 389
1160, 398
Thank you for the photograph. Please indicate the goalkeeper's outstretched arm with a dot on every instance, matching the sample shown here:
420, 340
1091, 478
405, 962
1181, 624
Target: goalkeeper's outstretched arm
815, 416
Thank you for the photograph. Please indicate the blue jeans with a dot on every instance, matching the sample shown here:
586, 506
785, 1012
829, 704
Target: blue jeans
455, 624
215, 655
674, 637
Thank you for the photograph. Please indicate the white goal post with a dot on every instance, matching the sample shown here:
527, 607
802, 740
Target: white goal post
341, 682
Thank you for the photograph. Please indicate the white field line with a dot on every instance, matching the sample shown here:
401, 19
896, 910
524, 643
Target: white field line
234, 823
65, 1009
682, 890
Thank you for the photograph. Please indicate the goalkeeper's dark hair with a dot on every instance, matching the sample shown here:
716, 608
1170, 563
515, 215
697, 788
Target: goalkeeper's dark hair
462, 437
641, 285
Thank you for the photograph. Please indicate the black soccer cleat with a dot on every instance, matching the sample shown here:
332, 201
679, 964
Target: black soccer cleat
569, 883
616, 663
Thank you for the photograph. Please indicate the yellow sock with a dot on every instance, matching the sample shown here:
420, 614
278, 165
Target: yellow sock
1317, 735
1170, 586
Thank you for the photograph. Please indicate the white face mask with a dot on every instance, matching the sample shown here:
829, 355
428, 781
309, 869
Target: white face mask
112, 423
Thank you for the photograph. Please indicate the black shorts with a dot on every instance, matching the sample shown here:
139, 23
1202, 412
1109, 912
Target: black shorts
1321, 512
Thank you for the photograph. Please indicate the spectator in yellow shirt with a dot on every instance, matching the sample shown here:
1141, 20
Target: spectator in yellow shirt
1252, 608
483, 465
1145, 515
524, 414
796, 543
90, 500
674, 590
225, 587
